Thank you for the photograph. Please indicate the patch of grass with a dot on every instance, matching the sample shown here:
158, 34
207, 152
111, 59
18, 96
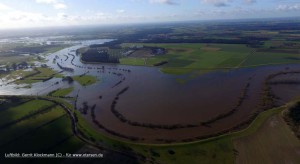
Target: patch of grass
152, 61
85, 80
20, 111
25, 126
268, 58
58, 75
62, 92
46, 132
25, 86
132, 61
42, 138
44, 74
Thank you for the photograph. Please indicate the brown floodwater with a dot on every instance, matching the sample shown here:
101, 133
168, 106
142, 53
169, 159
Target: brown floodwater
156, 98
286, 87
223, 98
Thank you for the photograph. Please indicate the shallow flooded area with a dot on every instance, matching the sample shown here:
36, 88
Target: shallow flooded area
143, 104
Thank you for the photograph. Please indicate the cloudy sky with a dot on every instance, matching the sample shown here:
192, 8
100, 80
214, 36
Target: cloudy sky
40, 13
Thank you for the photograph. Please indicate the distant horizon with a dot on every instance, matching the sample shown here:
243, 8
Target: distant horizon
58, 13
149, 23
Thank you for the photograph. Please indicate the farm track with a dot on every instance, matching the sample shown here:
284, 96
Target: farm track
242, 62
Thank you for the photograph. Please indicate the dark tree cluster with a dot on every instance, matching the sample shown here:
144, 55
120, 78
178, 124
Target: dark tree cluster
84, 109
160, 63
69, 79
98, 55
293, 118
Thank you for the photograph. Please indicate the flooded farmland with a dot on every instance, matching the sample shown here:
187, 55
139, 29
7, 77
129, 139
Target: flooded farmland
143, 104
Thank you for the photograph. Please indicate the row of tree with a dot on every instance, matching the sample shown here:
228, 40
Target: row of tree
241, 99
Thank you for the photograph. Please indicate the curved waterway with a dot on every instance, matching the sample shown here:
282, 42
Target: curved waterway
142, 102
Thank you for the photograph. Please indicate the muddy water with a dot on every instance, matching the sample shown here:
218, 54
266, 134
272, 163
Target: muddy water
286, 87
156, 98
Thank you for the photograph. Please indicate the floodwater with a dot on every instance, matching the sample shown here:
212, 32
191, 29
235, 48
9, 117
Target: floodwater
158, 99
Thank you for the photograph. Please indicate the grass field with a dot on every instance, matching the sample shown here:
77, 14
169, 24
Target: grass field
85, 80
12, 132
62, 92
132, 61
267, 58
14, 113
46, 132
187, 58
274, 142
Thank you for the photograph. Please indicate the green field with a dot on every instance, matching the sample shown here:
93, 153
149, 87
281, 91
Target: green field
186, 58
268, 58
132, 61
46, 132
85, 80
62, 92
14, 113
12, 132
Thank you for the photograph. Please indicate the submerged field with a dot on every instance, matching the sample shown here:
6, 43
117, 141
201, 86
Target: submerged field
177, 99
26, 131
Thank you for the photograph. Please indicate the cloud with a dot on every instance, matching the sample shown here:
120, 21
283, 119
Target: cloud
62, 15
168, 2
217, 3
57, 5
222, 3
4, 7
46, 1
291, 7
